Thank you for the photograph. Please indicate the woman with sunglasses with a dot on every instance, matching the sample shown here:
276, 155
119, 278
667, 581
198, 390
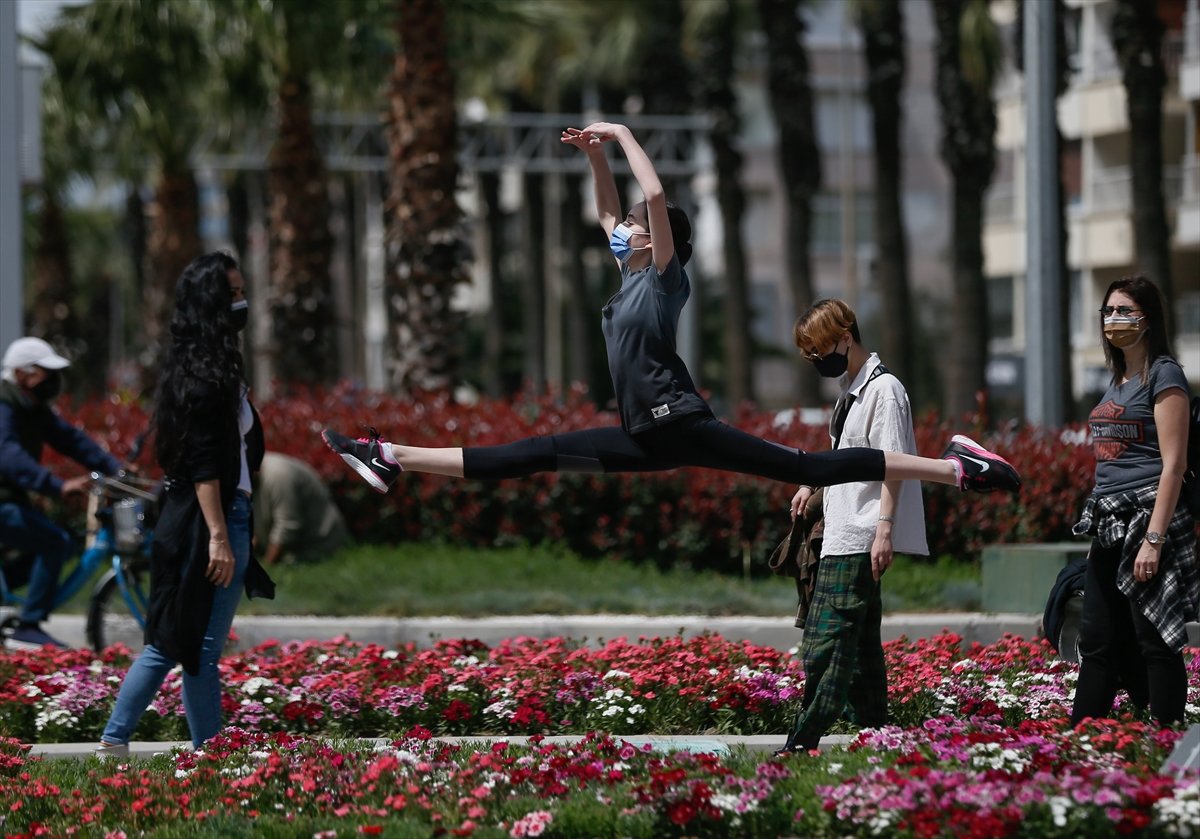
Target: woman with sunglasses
665, 423
1142, 582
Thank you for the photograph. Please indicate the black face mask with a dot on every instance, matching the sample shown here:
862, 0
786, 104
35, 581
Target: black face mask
239, 314
833, 365
48, 388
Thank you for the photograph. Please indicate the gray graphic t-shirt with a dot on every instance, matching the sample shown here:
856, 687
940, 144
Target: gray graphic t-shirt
640, 322
1124, 434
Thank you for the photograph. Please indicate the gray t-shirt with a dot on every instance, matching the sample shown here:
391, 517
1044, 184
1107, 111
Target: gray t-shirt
640, 321
1124, 434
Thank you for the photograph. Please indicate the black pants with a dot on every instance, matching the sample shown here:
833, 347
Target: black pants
699, 440
1120, 648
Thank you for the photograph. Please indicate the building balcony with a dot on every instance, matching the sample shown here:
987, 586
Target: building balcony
1187, 215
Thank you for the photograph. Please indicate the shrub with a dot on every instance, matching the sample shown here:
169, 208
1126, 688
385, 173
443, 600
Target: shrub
701, 518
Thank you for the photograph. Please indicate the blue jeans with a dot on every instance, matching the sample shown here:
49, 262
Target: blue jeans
27, 530
202, 692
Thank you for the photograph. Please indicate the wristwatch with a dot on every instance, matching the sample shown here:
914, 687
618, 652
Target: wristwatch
1154, 537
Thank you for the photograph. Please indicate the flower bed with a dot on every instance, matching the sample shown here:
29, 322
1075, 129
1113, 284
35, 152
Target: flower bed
951, 778
667, 685
979, 747
702, 518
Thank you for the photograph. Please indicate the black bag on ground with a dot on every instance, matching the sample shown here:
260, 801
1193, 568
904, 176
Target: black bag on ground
1067, 585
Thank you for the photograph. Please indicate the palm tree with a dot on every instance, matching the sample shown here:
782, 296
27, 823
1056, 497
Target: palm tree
790, 93
968, 55
288, 55
140, 69
882, 26
718, 45
51, 313
1137, 35
426, 249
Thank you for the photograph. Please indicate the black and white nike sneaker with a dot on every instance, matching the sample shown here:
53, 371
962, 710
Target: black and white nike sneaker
369, 456
980, 470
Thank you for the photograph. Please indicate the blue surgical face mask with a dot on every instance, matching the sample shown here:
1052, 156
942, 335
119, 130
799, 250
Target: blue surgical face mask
619, 243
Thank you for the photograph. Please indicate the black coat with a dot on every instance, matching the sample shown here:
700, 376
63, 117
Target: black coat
180, 596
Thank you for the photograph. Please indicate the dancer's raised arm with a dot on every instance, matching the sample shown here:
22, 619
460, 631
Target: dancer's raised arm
608, 201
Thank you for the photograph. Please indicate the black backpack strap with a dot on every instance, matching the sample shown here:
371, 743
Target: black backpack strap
836, 423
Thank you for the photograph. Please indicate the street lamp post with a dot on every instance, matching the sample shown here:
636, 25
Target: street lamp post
1043, 317
11, 306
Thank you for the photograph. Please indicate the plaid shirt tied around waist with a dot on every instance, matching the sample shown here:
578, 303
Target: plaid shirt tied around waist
1171, 597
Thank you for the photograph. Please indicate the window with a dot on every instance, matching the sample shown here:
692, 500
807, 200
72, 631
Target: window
1001, 296
827, 221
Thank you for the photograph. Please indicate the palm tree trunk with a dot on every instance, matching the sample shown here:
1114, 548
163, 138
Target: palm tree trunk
301, 245
790, 93
968, 324
1137, 35
533, 287
882, 25
493, 318
580, 314
50, 311
174, 241
426, 249
717, 71
968, 148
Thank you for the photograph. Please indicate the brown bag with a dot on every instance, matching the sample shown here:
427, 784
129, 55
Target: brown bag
798, 555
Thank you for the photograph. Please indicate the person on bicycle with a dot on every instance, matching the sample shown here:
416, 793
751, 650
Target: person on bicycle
30, 380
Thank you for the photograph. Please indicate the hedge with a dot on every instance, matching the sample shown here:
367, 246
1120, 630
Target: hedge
693, 517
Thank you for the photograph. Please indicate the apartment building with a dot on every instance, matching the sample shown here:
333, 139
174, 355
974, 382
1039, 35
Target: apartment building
1092, 117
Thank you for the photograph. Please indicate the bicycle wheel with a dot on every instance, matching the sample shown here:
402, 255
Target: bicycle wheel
115, 616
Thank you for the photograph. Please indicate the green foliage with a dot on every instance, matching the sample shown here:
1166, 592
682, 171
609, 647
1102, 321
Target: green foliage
424, 580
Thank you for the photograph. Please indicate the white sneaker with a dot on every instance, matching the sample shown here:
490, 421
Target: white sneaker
108, 751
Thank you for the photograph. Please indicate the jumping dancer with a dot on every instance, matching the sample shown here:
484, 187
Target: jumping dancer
665, 423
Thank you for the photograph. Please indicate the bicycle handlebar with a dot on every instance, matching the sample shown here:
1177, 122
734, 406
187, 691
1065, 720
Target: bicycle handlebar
124, 483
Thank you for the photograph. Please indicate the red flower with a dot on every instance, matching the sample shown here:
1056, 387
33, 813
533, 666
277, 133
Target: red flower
457, 710
681, 812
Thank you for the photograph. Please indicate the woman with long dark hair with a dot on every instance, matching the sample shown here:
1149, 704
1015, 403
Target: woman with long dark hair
1142, 584
208, 441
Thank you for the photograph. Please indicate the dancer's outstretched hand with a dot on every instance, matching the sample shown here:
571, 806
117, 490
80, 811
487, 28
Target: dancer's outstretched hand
602, 132
578, 138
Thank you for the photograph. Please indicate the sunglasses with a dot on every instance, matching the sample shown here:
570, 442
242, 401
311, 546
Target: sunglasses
1123, 311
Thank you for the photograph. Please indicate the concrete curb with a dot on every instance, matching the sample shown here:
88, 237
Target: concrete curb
709, 743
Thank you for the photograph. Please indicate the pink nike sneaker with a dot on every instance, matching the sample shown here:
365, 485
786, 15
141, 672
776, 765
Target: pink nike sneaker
366, 456
980, 470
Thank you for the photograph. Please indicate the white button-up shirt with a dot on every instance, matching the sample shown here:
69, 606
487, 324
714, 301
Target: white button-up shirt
879, 418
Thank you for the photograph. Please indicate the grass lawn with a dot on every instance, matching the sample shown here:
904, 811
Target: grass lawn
428, 579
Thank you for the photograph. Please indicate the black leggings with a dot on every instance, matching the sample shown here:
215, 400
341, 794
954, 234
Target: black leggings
699, 440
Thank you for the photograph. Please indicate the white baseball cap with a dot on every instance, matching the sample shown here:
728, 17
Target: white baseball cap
33, 352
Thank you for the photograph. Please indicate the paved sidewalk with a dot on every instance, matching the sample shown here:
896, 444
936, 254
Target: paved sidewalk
710, 743
777, 632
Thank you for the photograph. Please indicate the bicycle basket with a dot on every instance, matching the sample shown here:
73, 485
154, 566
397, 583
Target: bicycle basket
129, 524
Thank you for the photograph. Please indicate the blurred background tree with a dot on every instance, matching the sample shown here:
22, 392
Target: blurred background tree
389, 174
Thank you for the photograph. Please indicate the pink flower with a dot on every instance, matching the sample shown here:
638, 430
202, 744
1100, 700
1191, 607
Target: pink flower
531, 824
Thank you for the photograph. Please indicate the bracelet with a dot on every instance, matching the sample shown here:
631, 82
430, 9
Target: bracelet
216, 541
888, 519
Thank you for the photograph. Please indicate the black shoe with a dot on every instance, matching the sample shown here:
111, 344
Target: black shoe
797, 747
980, 470
30, 636
366, 457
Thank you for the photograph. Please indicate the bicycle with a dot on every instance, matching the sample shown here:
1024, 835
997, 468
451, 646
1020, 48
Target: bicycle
121, 513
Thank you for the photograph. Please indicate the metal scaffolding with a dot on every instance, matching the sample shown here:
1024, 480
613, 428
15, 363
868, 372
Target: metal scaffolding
527, 142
